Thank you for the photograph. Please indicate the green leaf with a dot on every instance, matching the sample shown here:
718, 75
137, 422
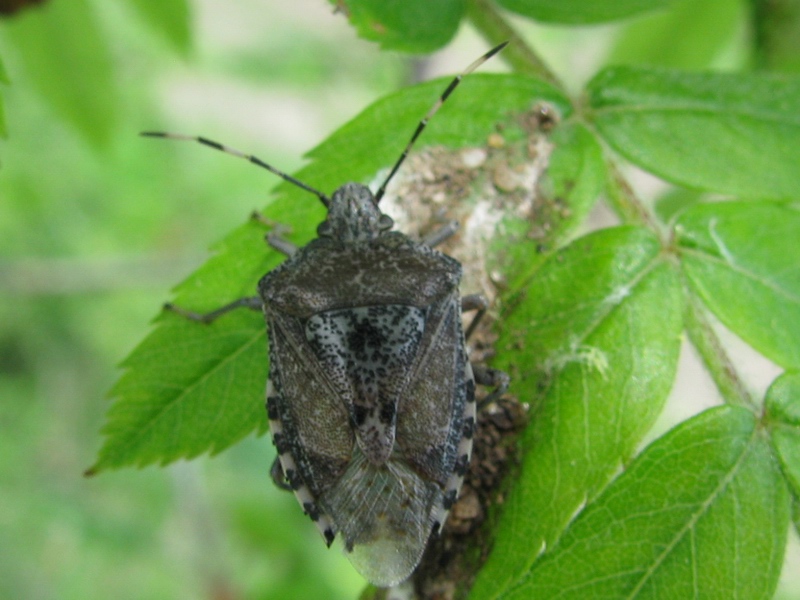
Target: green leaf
3, 73
419, 26
688, 36
783, 419
796, 514
597, 330
190, 388
3, 79
574, 179
170, 18
738, 134
702, 513
3, 129
65, 57
776, 35
743, 260
580, 11
674, 202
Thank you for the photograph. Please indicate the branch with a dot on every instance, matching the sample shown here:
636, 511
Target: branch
711, 350
485, 17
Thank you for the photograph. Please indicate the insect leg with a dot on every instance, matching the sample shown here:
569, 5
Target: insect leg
435, 238
474, 302
274, 237
284, 470
278, 476
279, 243
494, 378
251, 302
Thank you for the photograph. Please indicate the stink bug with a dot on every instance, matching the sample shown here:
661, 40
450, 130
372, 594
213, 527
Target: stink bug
371, 396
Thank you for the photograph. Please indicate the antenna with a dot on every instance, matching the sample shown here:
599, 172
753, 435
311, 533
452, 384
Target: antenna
432, 111
249, 157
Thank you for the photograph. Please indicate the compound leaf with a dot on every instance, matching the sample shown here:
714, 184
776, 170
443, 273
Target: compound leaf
593, 344
743, 260
701, 513
732, 133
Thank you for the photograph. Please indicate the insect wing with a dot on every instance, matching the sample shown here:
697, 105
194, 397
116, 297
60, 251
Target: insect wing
384, 517
315, 430
371, 398
367, 353
430, 421
386, 512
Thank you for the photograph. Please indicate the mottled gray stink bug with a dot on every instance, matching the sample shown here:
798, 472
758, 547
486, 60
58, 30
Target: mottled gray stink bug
371, 396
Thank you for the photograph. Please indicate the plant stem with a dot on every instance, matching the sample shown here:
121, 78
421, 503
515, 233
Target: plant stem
623, 200
716, 360
485, 17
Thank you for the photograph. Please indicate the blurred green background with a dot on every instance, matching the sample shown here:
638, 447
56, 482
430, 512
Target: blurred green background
97, 224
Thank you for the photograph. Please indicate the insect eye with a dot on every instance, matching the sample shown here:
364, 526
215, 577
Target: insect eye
385, 222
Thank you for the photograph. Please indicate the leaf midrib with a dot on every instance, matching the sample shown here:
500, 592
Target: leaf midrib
701, 511
771, 285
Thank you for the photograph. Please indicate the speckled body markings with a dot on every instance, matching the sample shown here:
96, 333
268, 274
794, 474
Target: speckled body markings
371, 395
371, 392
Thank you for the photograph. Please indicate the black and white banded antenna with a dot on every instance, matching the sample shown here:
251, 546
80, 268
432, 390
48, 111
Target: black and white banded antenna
238, 153
323, 198
432, 111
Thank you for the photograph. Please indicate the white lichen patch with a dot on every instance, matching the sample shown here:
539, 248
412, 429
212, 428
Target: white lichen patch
500, 196
480, 188
618, 295
592, 357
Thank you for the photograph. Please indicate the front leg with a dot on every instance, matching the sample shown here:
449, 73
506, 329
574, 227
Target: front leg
274, 237
251, 302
